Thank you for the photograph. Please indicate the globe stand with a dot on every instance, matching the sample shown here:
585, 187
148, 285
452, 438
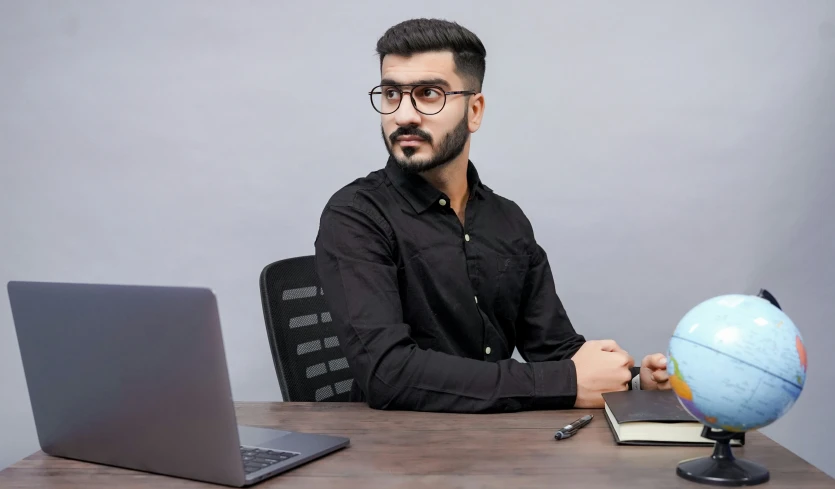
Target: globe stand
722, 468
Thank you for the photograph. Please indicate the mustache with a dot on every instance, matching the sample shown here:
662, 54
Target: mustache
409, 131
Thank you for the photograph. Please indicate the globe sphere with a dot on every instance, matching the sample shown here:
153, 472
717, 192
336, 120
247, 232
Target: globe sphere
736, 362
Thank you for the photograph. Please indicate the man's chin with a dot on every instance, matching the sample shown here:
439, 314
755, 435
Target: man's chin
412, 156
418, 165
410, 165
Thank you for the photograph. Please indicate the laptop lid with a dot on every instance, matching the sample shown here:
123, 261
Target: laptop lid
129, 376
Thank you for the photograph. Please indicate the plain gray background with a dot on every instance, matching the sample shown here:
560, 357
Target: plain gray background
666, 152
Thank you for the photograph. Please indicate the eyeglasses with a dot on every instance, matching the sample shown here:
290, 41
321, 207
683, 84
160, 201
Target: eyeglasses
426, 99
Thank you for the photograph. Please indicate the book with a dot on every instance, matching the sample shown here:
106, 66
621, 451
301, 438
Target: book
653, 418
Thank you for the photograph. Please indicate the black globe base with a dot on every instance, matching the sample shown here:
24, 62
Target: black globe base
722, 468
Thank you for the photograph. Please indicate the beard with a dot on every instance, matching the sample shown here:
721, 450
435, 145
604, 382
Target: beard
450, 148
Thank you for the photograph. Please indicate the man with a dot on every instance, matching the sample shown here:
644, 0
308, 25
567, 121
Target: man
431, 277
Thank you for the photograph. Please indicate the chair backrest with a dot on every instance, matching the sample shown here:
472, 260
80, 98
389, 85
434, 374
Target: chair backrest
309, 363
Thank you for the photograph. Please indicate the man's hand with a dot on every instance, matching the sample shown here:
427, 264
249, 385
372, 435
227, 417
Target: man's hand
654, 374
602, 366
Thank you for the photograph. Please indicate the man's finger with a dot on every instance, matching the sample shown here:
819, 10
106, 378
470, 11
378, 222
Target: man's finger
609, 345
660, 376
626, 377
657, 361
624, 386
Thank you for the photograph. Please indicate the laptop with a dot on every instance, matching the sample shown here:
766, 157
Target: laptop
135, 377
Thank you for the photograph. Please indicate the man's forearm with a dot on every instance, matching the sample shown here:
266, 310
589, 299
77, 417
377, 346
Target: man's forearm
407, 377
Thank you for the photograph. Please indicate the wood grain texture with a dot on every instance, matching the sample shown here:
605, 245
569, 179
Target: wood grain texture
433, 450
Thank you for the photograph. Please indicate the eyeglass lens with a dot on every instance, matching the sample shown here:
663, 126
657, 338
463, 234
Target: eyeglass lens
427, 99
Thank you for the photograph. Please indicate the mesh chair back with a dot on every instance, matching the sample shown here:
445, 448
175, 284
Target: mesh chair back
308, 361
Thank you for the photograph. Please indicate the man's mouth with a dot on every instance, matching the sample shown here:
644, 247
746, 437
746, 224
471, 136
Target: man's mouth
410, 140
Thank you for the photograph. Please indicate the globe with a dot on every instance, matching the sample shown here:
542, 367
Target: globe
736, 363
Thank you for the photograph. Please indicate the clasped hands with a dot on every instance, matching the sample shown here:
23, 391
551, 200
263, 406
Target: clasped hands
603, 366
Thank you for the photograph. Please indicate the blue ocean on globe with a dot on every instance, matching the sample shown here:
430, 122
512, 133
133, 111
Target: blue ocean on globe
737, 362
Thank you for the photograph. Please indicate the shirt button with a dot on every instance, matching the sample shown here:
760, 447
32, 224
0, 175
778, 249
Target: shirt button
466, 237
442, 201
487, 350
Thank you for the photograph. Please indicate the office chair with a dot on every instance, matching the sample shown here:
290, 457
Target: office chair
308, 361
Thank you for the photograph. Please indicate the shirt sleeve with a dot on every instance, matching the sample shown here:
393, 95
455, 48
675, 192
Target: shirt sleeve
543, 327
357, 266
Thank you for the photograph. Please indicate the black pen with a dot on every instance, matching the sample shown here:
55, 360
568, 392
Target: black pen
568, 430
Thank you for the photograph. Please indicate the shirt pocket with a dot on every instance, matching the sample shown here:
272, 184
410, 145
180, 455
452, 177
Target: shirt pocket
508, 282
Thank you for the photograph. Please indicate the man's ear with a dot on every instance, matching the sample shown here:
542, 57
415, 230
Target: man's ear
475, 112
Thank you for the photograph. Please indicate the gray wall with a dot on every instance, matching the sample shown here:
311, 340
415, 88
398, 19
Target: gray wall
665, 152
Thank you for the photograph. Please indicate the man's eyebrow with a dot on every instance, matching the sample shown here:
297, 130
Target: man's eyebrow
426, 81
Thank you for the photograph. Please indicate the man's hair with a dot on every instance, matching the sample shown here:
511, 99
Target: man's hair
426, 35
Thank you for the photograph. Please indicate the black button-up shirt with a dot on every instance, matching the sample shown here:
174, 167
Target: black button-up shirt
428, 311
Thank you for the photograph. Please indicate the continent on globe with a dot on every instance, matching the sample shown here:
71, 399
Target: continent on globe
682, 390
801, 351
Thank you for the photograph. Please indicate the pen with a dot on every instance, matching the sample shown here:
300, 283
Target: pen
568, 430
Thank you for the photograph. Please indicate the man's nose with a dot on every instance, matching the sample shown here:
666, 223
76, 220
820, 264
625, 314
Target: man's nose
406, 115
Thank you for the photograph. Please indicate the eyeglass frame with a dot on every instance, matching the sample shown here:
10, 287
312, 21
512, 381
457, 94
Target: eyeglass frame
414, 104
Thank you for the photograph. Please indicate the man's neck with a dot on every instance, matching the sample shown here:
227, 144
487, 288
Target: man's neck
451, 179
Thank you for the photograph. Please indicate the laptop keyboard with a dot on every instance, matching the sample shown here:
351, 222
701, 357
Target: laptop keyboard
258, 458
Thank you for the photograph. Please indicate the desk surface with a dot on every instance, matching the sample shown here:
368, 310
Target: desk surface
433, 450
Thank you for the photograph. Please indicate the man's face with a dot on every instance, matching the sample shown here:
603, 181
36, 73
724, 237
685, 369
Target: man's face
420, 142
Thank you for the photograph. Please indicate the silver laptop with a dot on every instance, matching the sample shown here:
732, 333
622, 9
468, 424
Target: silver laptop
136, 377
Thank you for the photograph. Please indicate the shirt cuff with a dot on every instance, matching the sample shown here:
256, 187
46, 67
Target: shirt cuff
555, 384
635, 384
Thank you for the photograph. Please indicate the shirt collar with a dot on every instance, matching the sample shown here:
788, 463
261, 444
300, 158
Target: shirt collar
420, 194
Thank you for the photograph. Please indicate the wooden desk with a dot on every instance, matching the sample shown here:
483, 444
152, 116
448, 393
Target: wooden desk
440, 451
